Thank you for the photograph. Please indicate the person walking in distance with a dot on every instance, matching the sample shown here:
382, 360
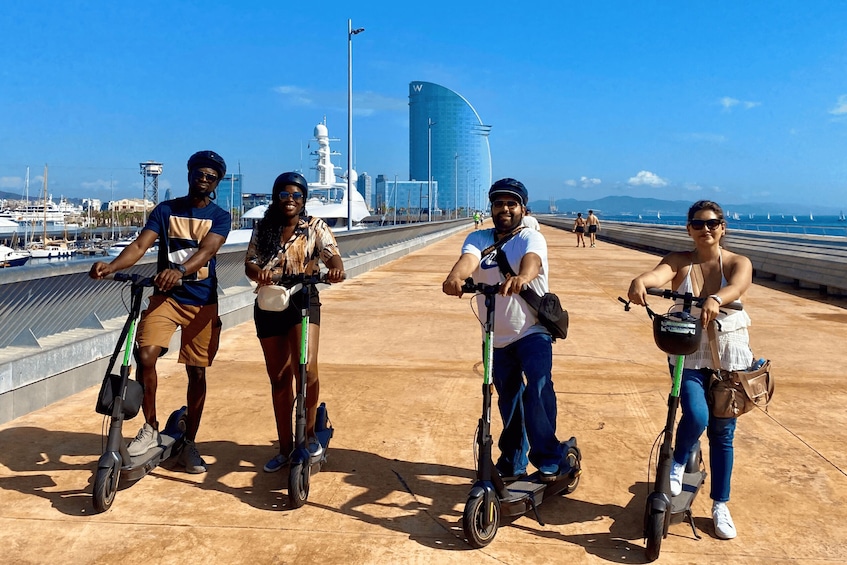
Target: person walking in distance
579, 229
190, 231
593, 227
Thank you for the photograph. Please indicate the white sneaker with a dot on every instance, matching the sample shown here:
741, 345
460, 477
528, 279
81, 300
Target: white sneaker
315, 448
677, 471
724, 528
147, 439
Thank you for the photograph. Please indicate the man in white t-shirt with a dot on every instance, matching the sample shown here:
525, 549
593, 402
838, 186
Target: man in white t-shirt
530, 222
522, 346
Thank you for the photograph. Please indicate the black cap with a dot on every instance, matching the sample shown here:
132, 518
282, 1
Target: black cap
509, 186
208, 159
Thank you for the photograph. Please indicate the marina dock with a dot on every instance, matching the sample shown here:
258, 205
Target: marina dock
400, 375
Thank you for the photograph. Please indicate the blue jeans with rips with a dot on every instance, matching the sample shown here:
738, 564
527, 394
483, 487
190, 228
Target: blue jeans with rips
528, 408
695, 419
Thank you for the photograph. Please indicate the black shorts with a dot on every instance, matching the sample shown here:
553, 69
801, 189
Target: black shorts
592, 229
274, 324
580, 229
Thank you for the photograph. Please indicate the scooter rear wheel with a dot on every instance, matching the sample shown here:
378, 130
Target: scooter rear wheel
654, 531
298, 483
104, 492
473, 520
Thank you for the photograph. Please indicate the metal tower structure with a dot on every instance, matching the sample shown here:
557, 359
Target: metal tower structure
150, 170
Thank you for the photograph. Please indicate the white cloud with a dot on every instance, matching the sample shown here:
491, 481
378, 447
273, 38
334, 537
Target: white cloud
364, 103
295, 95
11, 182
840, 106
584, 182
646, 178
95, 185
729, 103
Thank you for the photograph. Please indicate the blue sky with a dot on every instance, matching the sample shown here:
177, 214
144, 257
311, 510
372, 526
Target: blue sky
736, 101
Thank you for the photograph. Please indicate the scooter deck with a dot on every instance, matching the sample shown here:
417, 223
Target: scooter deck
521, 494
681, 504
142, 464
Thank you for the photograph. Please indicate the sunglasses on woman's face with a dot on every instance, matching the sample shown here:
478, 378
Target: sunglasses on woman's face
293, 195
712, 224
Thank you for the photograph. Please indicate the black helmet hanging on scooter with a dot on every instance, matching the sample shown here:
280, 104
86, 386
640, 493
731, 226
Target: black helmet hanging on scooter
677, 333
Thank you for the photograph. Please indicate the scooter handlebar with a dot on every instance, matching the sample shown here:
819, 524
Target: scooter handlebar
482, 288
695, 300
134, 278
302, 278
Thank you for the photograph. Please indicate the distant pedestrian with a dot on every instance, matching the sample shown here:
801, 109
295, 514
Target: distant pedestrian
190, 231
579, 229
593, 227
530, 222
477, 220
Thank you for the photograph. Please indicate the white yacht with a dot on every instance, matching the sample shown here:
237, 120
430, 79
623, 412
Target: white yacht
327, 199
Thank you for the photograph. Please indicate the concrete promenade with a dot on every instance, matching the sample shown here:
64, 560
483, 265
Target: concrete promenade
399, 374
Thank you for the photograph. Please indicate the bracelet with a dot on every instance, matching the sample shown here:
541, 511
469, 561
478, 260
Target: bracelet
716, 298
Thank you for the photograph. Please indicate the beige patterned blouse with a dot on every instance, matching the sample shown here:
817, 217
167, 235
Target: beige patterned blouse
312, 240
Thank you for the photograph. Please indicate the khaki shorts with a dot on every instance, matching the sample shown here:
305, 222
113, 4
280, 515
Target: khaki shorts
201, 329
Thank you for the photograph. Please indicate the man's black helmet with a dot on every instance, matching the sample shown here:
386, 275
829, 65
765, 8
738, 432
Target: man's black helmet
285, 179
509, 186
208, 159
677, 333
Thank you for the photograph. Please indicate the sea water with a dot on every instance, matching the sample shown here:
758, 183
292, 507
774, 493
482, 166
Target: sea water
777, 223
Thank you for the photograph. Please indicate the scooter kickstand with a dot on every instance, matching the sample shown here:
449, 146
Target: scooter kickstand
688, 514
534, 507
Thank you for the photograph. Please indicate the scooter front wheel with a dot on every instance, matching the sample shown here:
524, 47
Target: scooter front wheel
105, 487
576, 470
654, 531
475, 517
298, 483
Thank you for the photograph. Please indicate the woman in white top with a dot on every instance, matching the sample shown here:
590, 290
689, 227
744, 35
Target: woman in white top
723, 277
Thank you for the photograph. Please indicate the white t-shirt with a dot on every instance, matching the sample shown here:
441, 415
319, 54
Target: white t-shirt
513, 318
530, 222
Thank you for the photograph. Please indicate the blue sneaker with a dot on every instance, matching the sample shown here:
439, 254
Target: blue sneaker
278, 462
548, 473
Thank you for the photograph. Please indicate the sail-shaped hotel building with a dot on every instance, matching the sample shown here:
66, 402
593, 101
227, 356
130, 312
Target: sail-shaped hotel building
448, 138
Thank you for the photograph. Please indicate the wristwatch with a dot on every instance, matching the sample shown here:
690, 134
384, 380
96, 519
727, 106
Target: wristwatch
181, 269
716, 298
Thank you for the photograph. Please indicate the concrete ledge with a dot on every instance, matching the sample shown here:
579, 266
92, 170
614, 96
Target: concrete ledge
806, 262
66, 363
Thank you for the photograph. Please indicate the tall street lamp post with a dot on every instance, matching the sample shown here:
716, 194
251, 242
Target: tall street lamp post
350, 33
429, 125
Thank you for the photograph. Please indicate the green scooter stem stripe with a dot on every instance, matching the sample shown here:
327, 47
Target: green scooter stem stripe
304, 341
488, 355
130, 339
677, 375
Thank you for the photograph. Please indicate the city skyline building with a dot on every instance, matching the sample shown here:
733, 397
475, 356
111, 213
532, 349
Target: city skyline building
228, 194
448, 139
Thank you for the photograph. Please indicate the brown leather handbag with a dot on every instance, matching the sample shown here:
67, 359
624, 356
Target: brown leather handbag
733, 393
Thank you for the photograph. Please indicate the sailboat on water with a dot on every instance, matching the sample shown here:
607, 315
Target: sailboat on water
48, 248
841, 217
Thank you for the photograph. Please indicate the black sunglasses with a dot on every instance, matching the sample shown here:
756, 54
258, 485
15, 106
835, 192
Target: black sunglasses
504, 203
712, 224
205, 176
293, 195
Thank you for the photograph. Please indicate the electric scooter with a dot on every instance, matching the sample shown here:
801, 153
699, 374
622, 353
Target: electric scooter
493, 496
120, 397
302, 464
678, 335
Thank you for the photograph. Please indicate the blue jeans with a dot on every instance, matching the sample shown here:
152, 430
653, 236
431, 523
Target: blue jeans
528, 408
695, 419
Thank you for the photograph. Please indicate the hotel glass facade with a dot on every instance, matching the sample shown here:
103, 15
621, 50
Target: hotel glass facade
446, 130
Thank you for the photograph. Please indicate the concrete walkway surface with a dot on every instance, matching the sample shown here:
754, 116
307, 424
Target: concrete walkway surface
399, 365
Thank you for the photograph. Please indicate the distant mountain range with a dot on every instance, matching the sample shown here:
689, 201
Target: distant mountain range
629, 205
34, 197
